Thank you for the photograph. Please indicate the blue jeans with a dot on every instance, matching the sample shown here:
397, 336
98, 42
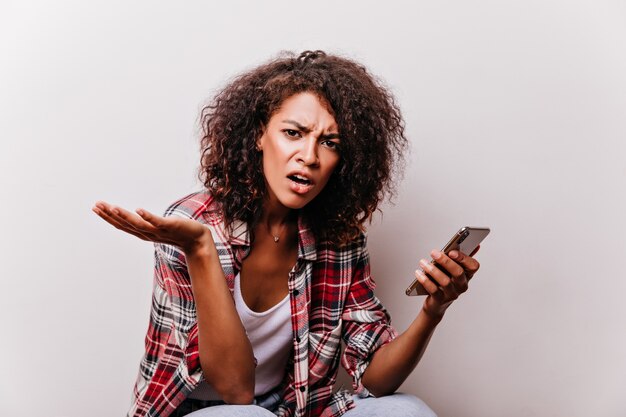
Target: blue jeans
396, 405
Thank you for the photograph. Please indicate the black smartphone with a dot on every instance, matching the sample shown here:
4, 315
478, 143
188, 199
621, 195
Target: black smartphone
465, 240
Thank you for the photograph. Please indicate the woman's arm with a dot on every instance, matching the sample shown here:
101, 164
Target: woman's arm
225, 352
391, 364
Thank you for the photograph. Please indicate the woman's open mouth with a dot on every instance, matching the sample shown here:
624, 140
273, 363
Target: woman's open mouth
300, 184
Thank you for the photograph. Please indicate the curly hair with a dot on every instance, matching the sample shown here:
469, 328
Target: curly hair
370, 126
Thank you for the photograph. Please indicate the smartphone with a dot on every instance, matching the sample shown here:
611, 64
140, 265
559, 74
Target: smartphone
465, 240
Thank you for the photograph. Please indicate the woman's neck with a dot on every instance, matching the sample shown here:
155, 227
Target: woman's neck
276, 220
275, 214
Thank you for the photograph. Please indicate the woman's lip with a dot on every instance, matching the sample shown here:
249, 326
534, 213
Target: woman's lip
298, 188
301, 174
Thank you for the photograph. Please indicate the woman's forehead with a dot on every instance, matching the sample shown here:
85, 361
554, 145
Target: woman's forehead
305, 101
306, 108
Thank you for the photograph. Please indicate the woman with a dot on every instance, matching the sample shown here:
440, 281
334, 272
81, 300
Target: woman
259, 277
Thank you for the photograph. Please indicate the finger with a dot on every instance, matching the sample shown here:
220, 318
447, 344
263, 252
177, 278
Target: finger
132, 220
119, 218
469, 264
442, 260
452, 269
443, 281
104, 214
120, 226
163, 228
435, 273
103, 206
156, 221
446, 283
113, 216
158, 228
426, 282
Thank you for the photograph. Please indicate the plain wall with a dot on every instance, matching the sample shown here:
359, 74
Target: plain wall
516, 112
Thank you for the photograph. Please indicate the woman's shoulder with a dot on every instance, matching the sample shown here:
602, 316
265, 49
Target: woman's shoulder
357, 246
197, 206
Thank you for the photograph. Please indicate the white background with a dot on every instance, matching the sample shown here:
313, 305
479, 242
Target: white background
516, 112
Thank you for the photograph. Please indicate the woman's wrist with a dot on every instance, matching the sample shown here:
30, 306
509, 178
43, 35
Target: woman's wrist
434, 311
201, 247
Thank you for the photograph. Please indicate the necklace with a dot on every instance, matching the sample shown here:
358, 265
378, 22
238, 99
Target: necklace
280, 232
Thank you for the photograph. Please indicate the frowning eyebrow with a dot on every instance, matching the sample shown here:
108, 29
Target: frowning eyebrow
306, 129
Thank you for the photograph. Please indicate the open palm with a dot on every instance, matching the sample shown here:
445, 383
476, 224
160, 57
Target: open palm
185, 233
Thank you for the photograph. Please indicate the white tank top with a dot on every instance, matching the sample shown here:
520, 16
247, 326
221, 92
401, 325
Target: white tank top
271, 337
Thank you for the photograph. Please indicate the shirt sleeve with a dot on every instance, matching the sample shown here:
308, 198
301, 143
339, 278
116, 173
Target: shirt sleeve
170, 367
177, 309
367, 325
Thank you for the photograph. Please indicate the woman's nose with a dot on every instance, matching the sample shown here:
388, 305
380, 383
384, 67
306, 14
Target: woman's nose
308, 152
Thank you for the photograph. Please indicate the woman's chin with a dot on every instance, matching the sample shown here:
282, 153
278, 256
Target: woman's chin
295, 202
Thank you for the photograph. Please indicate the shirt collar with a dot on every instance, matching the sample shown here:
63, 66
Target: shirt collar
306, 241
240, 235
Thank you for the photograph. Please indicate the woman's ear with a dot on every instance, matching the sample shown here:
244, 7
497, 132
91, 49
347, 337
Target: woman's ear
259, 143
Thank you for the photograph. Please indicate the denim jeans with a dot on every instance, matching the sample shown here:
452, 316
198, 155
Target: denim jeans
396, 405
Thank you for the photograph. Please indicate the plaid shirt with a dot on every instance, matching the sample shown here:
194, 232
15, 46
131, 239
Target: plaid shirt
331, 296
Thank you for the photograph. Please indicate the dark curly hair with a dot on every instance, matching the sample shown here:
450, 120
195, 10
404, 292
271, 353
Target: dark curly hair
370, 126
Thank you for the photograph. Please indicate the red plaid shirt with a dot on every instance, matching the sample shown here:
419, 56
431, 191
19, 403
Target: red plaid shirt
331, 296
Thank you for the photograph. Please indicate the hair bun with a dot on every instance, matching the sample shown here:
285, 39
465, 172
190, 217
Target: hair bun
308, 56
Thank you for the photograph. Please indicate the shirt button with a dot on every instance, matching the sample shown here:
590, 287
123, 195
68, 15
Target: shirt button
298, 339
296, 292
302, 389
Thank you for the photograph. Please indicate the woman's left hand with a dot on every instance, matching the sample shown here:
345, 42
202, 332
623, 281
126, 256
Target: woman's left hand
451, 273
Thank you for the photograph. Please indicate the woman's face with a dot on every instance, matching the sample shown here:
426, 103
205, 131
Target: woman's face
300, 148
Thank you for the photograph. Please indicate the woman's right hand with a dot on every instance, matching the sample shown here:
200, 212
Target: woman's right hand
190, 235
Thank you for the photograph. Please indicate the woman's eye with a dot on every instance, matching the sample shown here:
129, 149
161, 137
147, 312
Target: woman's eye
330, 144
292, 133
